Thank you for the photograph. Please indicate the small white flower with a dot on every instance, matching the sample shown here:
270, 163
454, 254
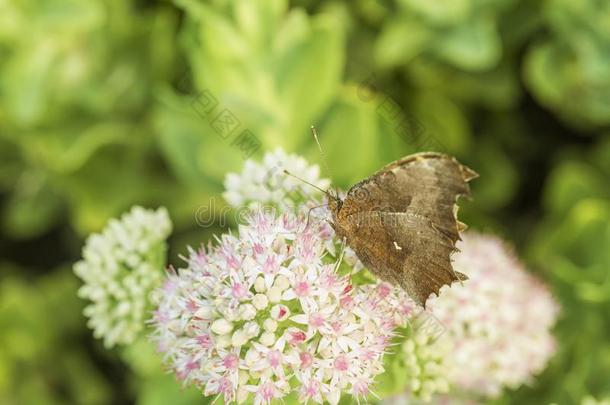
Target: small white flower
259, 285
274, 294
267, 338
260, 301
247, 312
223, 341
120, 267
221, 326
252, 356
270, 325
252, 329
242, 395
281, 282
239, 338
264, 183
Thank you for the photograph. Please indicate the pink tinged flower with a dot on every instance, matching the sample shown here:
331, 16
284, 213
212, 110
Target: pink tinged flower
265, 393
407, 308
360, 388
383, 290
205, 341
347, 302
388, 324
257, 248
201, 257
310, 390
368, 355
160, 317
271, 265
238, 290
341, 363
306, 359
260, 223
192, 365
306, 248
231, 361
524, 312
192, 306
280, 312
296, 337
225, 387
169, 286
316, 320
274, 357
289, 223
233, 262
330, 281
197, 259
302, 289
208, 333
188, 368
348, 288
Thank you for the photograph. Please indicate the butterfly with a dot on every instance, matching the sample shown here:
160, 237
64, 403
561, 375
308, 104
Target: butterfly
402, 221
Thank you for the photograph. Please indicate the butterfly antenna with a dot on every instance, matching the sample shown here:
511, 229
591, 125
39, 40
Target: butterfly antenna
305, 181
341, 254
309, 213
314, 132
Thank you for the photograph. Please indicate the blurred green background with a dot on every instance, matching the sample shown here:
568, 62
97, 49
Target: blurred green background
105, 104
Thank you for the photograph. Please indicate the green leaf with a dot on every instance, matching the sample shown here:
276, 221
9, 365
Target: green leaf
474, 45
401, 40
440, 12
499, 179
443, 121
308, 73
571, 182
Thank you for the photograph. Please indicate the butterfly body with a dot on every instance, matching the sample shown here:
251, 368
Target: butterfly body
402, 224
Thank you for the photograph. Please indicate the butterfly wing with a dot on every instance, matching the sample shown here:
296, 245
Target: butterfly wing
402, 222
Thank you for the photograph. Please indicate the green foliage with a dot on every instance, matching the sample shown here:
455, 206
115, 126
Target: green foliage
260, 74
41, 360
76, 79
462, 33
569, 69
107, 104
569, 246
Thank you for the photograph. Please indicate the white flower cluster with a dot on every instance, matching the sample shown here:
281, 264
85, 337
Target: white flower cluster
418, 362
265, 183
498, 322
423, 355
120, 267
262, 315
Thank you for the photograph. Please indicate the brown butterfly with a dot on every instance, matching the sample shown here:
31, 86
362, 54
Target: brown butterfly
402, 221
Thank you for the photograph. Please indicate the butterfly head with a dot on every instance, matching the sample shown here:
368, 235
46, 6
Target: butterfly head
334, 201
334, 205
